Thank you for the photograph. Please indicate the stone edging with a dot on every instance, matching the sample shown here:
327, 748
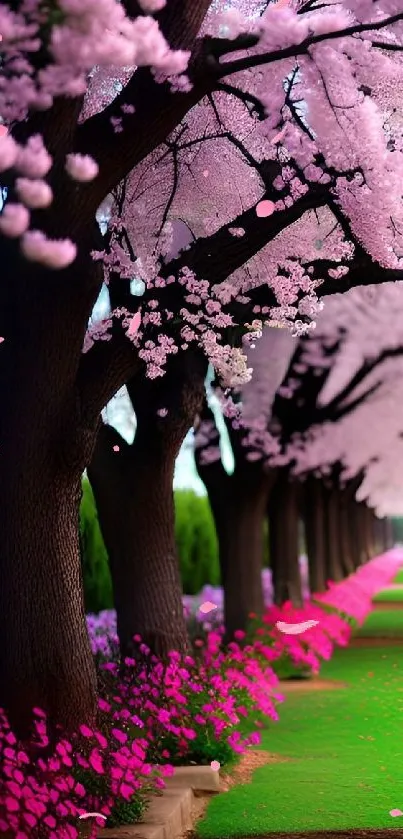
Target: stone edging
171, 814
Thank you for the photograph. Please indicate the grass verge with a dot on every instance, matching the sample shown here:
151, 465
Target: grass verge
345, 757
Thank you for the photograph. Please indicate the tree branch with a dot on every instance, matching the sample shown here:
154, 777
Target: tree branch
240, 64
217, 256
157, 110
104, 369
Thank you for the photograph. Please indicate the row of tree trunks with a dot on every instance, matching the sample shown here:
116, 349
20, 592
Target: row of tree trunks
133, 490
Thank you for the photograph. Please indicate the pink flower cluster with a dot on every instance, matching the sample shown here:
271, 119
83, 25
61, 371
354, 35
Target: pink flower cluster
352, 601
43, 792
304, 651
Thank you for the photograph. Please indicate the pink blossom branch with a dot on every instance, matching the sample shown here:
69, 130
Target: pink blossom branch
217, 256
240, 64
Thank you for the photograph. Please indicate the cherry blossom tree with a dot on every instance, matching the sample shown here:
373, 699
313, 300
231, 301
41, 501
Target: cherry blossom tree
340, 371
371, 356
89, 92
343, 371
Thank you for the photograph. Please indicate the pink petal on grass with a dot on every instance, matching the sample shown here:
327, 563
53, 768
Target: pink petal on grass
395, 813
295, 628
92, 816
207, 607
215, 765
264, 209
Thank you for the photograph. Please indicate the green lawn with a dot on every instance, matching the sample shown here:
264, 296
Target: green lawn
384, 624
344, 750
399, 577
389, 595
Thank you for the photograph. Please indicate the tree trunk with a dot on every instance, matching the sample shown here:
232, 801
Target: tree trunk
45, 655
389, 535
239, 519
332, 547
353, 513
133, 490
46, 442
368, 530
345, 533
284, 542
134, 497
363, 526
238, 504
379, 535
313, 510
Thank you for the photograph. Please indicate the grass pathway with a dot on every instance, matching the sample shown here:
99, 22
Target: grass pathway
340, 753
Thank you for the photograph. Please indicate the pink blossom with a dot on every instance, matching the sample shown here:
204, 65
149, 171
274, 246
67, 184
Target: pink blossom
152, 6
33, 160
8, 152
14, 220
264, 209
58, 253
81, 167
34, 193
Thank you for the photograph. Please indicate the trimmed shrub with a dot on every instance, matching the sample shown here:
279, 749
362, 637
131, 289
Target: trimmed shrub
98, 592
196, 541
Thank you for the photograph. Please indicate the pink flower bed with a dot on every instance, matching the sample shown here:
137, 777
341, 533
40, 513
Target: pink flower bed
354, 595
352, 598
155, 716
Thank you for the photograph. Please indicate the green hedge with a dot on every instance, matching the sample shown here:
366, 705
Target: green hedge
196, 541
98, 592
397, 525
195, 538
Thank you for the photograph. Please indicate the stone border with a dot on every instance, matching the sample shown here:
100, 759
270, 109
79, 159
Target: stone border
170, 814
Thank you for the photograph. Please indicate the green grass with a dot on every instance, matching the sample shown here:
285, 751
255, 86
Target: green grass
389, 595
399, 577
384, 624
345, 756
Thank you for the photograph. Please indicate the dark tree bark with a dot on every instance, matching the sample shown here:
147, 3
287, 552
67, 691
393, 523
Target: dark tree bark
314, 522
283, 515
389, 535
345, 535
354, 522
48, 426
379, 535
239, 515
45, 656
238, 503
133, 489
333, 563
